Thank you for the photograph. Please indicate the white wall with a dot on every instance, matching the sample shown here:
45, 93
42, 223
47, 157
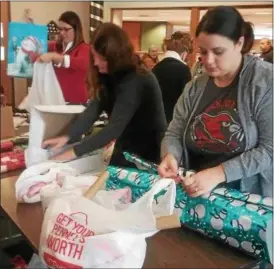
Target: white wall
42, 13
118, 17
165, 4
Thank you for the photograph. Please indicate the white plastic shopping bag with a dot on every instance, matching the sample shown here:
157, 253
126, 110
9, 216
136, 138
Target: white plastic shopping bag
36, 263
29, 183
80, 233
114, 199
55, 176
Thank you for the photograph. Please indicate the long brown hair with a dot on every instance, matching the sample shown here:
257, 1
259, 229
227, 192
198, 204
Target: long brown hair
112, 43
74, 21
179, 42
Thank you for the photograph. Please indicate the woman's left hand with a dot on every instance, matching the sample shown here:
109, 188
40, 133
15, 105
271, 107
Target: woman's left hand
204, 181
65, 156
45, 58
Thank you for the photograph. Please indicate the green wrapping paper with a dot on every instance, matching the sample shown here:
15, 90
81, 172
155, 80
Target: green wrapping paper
242, 220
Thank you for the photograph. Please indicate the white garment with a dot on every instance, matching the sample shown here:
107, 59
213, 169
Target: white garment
29, 183
69, 45
173, 54
45, 88
54, 174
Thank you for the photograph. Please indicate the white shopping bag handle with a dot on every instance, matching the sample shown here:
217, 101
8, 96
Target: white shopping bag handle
159, 186
164, 222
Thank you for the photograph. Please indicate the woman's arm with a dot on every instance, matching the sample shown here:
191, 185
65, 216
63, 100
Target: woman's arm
126, 104
172, 142
259, 158
78, 62
81, 60
85, 121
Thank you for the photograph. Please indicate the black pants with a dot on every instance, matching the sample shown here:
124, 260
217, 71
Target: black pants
4, 261
149, 153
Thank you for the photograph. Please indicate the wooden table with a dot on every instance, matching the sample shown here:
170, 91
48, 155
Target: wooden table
175, 248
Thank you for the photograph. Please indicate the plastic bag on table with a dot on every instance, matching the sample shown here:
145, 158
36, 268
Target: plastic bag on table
36, 263
79, 233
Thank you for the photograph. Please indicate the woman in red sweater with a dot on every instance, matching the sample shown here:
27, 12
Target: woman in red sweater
70, 56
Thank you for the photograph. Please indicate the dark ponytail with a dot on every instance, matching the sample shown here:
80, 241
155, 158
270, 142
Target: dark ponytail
227, 21
248, 34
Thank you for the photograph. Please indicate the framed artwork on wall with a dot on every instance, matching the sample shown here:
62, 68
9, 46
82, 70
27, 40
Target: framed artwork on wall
25, 42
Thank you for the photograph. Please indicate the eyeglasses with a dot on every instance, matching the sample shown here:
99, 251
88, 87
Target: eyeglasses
64, 29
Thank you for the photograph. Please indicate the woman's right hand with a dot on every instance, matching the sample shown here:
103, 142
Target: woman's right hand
55, 143
168, 168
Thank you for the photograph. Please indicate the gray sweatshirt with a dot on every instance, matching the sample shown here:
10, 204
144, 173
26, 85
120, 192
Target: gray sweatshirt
254, 167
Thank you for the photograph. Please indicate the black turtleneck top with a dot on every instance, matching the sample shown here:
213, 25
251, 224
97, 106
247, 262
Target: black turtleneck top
133, 102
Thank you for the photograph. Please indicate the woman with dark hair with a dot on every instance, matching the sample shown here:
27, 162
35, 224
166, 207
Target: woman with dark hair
128, 93
172, 82
70, 55
222, 124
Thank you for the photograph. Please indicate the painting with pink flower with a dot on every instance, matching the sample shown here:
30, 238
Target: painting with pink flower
26, 41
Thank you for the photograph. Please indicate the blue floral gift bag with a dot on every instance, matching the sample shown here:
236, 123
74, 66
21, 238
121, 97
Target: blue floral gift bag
242, 220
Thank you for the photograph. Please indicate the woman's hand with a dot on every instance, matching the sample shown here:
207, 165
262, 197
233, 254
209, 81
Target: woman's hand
168, 167
51, 57
45, 58
55, 143
204, 181
65, 156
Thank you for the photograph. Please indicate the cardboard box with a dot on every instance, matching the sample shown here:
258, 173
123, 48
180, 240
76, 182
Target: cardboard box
51, 121
7, 124
47, 122
20, 90
89, 164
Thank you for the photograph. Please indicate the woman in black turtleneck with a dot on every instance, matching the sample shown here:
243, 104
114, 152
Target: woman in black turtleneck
129, 94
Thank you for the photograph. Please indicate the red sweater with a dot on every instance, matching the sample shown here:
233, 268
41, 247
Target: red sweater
73, 79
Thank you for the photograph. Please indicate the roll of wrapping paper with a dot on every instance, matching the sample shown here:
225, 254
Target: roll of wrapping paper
152, 167
99, 183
